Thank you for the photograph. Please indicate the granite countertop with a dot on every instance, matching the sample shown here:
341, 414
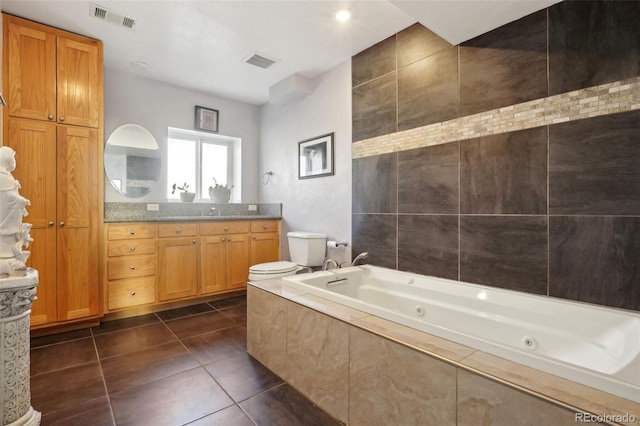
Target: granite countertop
188, 218
188, 212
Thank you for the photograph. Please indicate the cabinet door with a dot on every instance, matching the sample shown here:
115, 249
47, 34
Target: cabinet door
237, 260
79, 82
265, 247
212, 264
77, 194
35, 146
177, 267
31, 69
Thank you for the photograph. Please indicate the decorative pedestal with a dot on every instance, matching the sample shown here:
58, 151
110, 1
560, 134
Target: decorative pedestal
16, 295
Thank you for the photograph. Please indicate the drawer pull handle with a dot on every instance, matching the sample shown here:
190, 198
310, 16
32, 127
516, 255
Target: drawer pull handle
265, 227
61, 223
50, 117
177, 230
61, 118
226, 228
133, 293
222, 239
228, 239
51, 223
254, 237
133, 248
133, 268
194, 241
132, 232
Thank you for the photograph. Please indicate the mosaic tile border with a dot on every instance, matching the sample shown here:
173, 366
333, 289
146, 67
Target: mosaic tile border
594, 101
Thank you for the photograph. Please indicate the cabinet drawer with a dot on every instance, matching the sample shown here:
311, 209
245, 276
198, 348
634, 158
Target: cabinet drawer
131, 292
132, 266
131, 247
130, 231
178, 230
213, 228
264, 226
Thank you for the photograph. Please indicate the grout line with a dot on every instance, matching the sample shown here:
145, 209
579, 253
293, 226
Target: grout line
104, 381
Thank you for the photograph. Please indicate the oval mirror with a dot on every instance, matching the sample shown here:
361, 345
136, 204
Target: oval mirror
132, 160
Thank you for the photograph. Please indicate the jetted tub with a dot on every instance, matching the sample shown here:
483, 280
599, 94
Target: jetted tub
589, 344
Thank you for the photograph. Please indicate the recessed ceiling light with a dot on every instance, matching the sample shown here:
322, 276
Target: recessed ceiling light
343, 15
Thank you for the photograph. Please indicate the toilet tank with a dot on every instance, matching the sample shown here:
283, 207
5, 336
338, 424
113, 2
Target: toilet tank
307, 248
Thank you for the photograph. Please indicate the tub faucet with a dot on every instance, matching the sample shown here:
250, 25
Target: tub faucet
359, 257
327, 262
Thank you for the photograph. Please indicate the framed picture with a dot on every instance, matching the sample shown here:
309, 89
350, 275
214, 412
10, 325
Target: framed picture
316, 157
206, 119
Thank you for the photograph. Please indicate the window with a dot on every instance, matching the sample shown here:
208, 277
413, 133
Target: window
200, 160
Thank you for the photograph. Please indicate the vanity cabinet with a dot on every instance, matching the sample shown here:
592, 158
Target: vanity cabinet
177, 261
152, 264
265, 242
52, 75
224, 256
131, 265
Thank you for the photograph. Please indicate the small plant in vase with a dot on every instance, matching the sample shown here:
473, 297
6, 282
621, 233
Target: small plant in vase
185, 195
219, 193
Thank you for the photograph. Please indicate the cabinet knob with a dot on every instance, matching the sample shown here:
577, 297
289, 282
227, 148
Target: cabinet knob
254, 237
132, 232
228, 239
177, 230
133, 248
265, 227
61, 118
133, 268
194, 241
61, 223
222, 239
226, 228
51, 223
50, 117
133, 293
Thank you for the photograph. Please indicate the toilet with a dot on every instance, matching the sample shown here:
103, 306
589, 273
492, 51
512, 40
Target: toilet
306, 250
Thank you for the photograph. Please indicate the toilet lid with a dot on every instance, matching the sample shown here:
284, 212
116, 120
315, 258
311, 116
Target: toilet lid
273, 267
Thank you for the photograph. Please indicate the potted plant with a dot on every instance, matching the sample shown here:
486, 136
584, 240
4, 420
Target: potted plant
185, 195
219, 193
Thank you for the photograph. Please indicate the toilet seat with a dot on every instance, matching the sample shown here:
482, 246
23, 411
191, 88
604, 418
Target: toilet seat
271, 270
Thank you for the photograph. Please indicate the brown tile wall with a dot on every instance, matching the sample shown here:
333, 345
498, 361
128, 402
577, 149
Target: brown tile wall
533, 184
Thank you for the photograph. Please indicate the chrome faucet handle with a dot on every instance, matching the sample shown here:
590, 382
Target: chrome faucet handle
327, 262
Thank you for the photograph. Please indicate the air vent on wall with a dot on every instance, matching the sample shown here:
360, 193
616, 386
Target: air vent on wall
111, 16
260, 60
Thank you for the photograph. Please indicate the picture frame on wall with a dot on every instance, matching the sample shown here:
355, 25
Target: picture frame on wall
316, 157
206, 119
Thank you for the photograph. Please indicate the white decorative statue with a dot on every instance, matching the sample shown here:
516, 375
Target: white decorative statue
14, 235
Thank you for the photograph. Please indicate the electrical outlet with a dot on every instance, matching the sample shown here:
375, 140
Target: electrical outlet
253, 207
153, 207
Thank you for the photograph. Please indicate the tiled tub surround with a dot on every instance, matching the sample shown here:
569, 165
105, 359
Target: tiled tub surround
137, 212
524, 176
594, 346
527, 73
363, 369
553, 210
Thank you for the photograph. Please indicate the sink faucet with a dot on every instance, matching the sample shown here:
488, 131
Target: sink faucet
212, 212
359, 257
327, 262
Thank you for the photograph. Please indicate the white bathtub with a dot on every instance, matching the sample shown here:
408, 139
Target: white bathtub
592, 345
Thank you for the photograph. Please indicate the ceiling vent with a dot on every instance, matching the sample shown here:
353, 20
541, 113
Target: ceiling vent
260, 60
111, 16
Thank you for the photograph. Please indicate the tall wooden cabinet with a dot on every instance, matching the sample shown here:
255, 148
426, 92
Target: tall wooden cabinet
52, 81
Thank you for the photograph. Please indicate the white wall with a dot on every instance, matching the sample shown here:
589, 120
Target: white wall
320, 204
157, 106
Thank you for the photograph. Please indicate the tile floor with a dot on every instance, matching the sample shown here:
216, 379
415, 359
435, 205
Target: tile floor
173, 368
